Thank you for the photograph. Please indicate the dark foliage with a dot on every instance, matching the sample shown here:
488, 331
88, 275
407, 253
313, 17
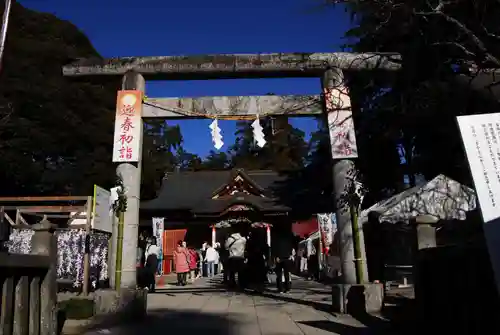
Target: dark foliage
407, 127
55, 134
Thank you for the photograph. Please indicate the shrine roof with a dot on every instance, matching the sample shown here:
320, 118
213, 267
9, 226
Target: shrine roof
196, 191
253, 201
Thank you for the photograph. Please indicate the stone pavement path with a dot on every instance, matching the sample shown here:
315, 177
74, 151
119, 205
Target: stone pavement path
206, 307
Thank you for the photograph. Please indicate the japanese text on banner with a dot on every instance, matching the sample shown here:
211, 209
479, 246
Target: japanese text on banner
128, 127
340, 124
481, 138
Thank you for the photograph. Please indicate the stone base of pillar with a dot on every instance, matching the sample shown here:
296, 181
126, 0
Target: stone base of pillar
356, 299
125, 304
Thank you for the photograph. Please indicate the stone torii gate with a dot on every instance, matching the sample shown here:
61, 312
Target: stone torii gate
334, 102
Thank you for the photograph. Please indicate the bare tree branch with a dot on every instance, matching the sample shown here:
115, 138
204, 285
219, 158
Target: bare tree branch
465, 30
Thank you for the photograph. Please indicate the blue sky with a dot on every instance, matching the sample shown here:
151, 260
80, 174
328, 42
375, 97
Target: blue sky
171, 27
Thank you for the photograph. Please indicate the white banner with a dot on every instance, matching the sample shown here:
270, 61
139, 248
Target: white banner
128, 127
340, 124
326, 228
158, 229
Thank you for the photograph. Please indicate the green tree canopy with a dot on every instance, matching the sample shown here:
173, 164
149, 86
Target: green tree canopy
285, 149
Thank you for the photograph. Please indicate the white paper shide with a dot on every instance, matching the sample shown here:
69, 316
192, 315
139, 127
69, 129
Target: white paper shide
215, 131
258, 133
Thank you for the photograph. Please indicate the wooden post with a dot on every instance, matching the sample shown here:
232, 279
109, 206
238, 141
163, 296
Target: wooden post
86, 256
21, 305
44, 243
7, 306
119, 252
34, 306
4, 230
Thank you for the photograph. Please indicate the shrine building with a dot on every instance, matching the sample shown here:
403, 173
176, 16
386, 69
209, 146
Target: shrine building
197, 206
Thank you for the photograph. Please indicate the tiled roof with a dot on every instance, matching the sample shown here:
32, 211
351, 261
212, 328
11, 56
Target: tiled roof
194, 190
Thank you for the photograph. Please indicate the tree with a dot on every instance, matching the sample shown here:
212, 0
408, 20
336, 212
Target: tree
161, 153
244, 152
430, 32
414, 115
285, 148
56, 134
216, 161
186, 161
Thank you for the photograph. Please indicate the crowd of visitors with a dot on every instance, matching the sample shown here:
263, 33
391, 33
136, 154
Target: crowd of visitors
246, 260
249, 260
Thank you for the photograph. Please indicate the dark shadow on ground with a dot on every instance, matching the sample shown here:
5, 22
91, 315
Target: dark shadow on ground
401, 312
397, 316
169, 321
389, 323
337, 328
320, 306
190, 291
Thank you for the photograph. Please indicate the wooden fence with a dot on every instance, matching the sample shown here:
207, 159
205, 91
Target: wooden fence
29, 287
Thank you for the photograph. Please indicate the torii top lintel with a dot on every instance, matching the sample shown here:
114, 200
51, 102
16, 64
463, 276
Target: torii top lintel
269, 65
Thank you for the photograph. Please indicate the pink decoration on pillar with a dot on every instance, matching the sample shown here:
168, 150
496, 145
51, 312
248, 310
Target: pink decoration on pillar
214, 239
268, 233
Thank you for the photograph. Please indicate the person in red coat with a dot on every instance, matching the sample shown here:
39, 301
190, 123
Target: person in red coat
181, 261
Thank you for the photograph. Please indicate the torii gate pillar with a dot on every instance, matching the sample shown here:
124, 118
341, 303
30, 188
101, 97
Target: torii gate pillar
131, 175
334, 79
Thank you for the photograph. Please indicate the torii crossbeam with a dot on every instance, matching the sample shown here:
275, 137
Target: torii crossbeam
234, 66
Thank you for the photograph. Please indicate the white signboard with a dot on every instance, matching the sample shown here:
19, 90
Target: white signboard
101, 218
481, 137
128, 127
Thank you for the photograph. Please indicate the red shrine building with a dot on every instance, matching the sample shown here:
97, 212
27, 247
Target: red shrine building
198, 206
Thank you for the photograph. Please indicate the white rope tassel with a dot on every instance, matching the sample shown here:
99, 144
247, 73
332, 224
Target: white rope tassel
216, 135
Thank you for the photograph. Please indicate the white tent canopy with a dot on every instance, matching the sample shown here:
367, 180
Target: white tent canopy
441, 197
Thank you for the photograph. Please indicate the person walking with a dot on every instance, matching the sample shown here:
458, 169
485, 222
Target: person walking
311, 260
181, 261
210, 258
193, 264
257, 254
199, 272
152, 255
235, 245
203, 263
217, 263
302, 255
282, 253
